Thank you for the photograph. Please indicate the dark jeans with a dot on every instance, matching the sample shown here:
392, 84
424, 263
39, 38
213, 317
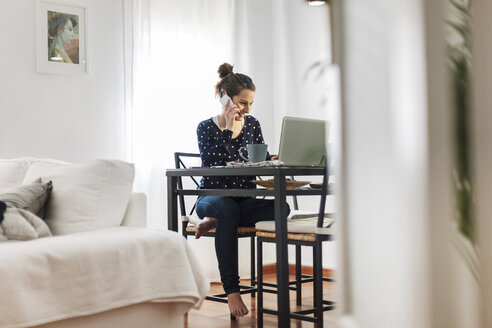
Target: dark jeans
231, 213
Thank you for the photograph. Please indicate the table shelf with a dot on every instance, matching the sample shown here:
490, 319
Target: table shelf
247, 192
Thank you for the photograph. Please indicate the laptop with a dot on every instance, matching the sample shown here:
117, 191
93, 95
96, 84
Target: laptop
303, 142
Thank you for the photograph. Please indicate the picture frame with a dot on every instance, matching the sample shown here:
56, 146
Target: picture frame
61, 38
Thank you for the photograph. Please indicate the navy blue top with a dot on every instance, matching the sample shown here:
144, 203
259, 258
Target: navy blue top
217, 148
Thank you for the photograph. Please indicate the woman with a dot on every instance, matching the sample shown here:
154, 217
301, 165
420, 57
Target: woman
219, 140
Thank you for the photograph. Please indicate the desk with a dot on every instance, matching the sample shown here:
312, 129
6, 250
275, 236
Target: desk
279, 175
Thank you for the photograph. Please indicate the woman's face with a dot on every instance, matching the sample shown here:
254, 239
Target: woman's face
244, 101
67, 33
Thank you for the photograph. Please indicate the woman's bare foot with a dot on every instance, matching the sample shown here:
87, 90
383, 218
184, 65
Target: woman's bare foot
236, 305
207, 224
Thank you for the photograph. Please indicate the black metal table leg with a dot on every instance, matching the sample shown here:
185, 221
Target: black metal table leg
259, 284
283, 301
172, 203
318, 283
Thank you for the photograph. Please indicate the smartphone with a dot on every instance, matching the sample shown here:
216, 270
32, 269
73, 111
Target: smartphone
223, 100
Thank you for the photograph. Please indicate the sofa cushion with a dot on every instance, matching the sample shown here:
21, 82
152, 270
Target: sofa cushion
19, 224
31, 197
3, 207
13, 171
85, 197
305, 225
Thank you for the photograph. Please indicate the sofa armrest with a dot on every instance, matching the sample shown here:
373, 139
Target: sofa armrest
136, 211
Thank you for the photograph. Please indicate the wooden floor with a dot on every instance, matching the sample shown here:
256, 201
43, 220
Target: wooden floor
216, 315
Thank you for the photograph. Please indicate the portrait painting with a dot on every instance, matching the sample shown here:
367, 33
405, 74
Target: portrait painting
61, 37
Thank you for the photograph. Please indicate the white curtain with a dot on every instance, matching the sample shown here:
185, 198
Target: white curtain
178, 46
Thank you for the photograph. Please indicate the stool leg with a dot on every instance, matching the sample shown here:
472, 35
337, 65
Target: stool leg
259, 283
298, 275
318, 283
252, 267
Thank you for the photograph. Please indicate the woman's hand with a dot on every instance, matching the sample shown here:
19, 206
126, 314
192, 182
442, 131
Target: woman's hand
230, 113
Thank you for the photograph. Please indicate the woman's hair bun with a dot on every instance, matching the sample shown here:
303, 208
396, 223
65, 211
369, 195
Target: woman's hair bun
224, 70
232, 83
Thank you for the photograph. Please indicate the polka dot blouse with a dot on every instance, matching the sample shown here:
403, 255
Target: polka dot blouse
217, 148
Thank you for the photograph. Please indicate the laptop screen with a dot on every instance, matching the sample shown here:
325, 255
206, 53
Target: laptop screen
303, 142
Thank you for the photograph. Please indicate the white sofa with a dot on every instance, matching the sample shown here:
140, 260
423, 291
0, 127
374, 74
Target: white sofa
101, 267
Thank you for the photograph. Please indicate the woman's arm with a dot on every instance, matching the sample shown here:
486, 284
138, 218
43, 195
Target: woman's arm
214, 150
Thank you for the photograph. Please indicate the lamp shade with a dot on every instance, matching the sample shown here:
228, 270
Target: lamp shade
316, 2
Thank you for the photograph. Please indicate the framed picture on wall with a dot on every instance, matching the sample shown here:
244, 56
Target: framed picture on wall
61, 37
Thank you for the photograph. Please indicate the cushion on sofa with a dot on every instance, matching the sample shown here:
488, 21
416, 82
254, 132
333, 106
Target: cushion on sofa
87, 196
13, 171
3, 207
19, 224
31, 197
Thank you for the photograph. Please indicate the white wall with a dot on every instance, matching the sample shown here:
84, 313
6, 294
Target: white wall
63, 117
